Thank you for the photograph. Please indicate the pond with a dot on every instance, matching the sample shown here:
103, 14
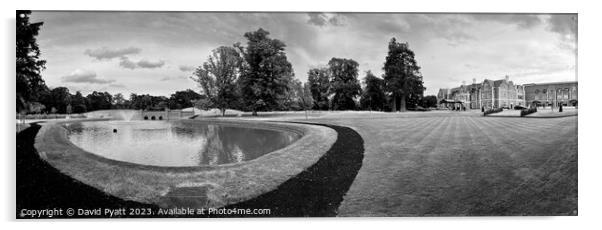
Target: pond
176, 144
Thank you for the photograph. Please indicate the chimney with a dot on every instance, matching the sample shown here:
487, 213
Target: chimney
507, 78
474, 81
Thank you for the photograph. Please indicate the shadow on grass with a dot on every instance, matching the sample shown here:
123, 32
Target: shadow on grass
317, 191
41, 186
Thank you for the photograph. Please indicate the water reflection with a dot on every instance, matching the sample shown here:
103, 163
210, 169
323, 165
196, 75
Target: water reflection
163, 143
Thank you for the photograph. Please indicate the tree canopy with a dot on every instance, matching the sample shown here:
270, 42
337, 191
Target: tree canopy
345, 84
266, 72
373, 95
319, 85
217, 77
403, 79
29, 65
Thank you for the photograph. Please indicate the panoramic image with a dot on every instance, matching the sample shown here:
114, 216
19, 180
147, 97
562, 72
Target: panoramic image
135, 114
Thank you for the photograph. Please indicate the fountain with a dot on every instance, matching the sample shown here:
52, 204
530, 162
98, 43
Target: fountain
127, 115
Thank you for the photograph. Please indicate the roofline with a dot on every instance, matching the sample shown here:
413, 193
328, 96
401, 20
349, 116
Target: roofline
550, 83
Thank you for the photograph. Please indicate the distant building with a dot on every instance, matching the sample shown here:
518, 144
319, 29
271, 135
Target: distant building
553, 93
487, 94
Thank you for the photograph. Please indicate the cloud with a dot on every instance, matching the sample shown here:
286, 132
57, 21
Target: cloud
324, 19
186, 68
150, 64
492, 44
523, 21
563, 24
117, 85
129, 64
173, 78
108, 54
85, 76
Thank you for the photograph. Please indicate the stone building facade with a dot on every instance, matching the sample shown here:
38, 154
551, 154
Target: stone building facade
487, 94
552, 94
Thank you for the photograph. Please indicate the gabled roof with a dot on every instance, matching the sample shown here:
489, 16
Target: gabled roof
498, 83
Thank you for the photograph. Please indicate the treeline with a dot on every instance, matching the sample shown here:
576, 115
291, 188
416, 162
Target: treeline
60, 100
256, 77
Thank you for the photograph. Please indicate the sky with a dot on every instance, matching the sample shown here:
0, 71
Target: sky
156, 52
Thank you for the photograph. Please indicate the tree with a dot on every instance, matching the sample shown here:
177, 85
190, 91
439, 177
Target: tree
79, 103
218, 75
345, 85
429, 101
403, 79
266, 72
60, 98
183, 99
99, 101
373, 95
319, 84
119, 101
29, 65
307, 100
36, 107
293, 100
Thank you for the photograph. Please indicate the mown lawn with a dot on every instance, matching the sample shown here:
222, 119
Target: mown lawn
442, 163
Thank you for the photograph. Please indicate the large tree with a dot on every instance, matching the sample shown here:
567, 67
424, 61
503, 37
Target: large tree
345, 85
373, 95
319, 85
217, 77
265, 73
29, 65
403, 79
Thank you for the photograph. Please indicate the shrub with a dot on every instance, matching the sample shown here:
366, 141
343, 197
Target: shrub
518, 107
490, 111
525, 112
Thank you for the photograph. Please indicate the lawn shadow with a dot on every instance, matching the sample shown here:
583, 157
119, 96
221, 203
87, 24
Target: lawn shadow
319, 190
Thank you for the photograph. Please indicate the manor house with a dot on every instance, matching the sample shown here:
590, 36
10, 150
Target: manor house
487, 94
504, 93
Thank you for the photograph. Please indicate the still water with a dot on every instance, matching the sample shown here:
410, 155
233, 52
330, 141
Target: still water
164, 143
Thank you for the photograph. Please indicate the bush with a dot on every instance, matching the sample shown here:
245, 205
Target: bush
526, 112
490, 111
518, 107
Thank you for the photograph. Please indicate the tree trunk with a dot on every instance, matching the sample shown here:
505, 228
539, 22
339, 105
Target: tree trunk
223, 112
254, 113
402, 103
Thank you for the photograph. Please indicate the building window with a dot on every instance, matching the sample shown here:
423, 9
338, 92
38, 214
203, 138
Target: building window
574, 93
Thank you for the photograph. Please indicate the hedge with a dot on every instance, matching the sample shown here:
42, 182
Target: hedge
525, 112
490, 111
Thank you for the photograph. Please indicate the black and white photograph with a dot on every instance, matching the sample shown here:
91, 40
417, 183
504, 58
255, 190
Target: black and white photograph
248, 114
